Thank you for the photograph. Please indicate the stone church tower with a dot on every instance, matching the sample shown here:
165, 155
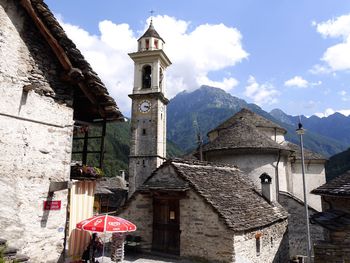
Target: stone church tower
148, 112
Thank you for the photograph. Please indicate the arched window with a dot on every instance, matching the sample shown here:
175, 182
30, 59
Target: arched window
146, 77
160, 77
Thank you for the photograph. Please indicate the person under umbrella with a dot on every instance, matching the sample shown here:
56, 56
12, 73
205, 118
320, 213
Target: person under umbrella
93, 249
104, 224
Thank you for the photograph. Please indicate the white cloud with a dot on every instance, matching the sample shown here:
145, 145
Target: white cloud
336, 57
342, 93
330, 111
195, 54
297, 81
261, 93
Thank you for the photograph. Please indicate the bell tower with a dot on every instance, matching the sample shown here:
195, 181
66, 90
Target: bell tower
148, 112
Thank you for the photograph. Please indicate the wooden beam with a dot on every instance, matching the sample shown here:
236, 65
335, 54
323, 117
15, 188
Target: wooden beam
57, 49
58, 186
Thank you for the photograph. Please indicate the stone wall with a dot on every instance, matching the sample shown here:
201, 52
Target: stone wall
139, 210
35, 137
336, 202
338, 252
271, 246
297, 225
203, 233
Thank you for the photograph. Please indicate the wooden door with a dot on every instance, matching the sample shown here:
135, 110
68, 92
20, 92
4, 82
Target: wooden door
166, 227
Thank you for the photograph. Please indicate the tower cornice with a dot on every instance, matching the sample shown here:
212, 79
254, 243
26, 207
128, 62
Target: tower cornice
157, 95
142, 55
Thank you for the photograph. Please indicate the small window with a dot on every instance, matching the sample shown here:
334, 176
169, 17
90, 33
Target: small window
156, 43
143, 131
143, 163
258, 244
147, 44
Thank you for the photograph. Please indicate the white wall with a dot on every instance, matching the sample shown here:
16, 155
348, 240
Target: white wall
32, 154
254, 165
314, 175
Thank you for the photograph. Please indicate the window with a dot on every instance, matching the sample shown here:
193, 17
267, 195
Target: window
147, 44
160, 77
258, 244
143, 131
156, 43
146, 77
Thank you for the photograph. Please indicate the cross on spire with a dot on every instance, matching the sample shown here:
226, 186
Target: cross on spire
151, 12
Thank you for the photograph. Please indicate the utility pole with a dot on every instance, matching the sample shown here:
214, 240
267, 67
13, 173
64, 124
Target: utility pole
300, 131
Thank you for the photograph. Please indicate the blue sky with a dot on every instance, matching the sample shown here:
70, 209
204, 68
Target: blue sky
292, 55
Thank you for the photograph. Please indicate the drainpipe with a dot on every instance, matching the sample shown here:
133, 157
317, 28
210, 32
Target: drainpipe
277, 176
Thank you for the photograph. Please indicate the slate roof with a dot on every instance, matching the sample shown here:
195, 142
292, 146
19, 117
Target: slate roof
308, 155
151, 32
248, 116
339, 186
334, 220
94, 86
227, 190
242, 135
105, 185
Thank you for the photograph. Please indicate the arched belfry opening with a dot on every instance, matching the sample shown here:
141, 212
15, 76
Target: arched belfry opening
146, 77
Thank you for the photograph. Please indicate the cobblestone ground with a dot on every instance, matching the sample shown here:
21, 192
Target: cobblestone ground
141, 258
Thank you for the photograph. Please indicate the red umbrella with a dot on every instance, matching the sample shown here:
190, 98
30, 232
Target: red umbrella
106, 223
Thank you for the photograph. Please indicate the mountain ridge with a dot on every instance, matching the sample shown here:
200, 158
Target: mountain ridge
205, 108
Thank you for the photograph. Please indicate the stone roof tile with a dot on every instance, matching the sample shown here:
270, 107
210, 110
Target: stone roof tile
251, 117
106, 103
308, 155
339, 186
230, 193
242, 135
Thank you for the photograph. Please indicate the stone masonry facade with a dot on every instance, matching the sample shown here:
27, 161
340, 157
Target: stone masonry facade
203, 234
269, 244
36, 124
205, 237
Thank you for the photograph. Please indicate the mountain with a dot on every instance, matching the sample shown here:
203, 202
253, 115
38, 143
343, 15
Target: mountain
335, 126
338, 164
205, 108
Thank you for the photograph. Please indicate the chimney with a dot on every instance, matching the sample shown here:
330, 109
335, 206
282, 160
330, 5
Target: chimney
266, 187
122, 174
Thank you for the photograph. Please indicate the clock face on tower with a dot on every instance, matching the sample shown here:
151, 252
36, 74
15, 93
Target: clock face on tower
145, 106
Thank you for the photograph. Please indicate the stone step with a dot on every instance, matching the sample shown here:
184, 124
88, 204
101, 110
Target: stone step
9, 251
21, 258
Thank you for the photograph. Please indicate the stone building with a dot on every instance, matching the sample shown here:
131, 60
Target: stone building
192, 209
207, 212
148, 111
257, 145
335, 246
47, 87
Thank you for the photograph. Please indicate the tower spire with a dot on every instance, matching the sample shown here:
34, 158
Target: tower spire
151, 12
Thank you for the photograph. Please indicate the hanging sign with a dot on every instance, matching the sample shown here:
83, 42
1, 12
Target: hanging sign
52, 205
